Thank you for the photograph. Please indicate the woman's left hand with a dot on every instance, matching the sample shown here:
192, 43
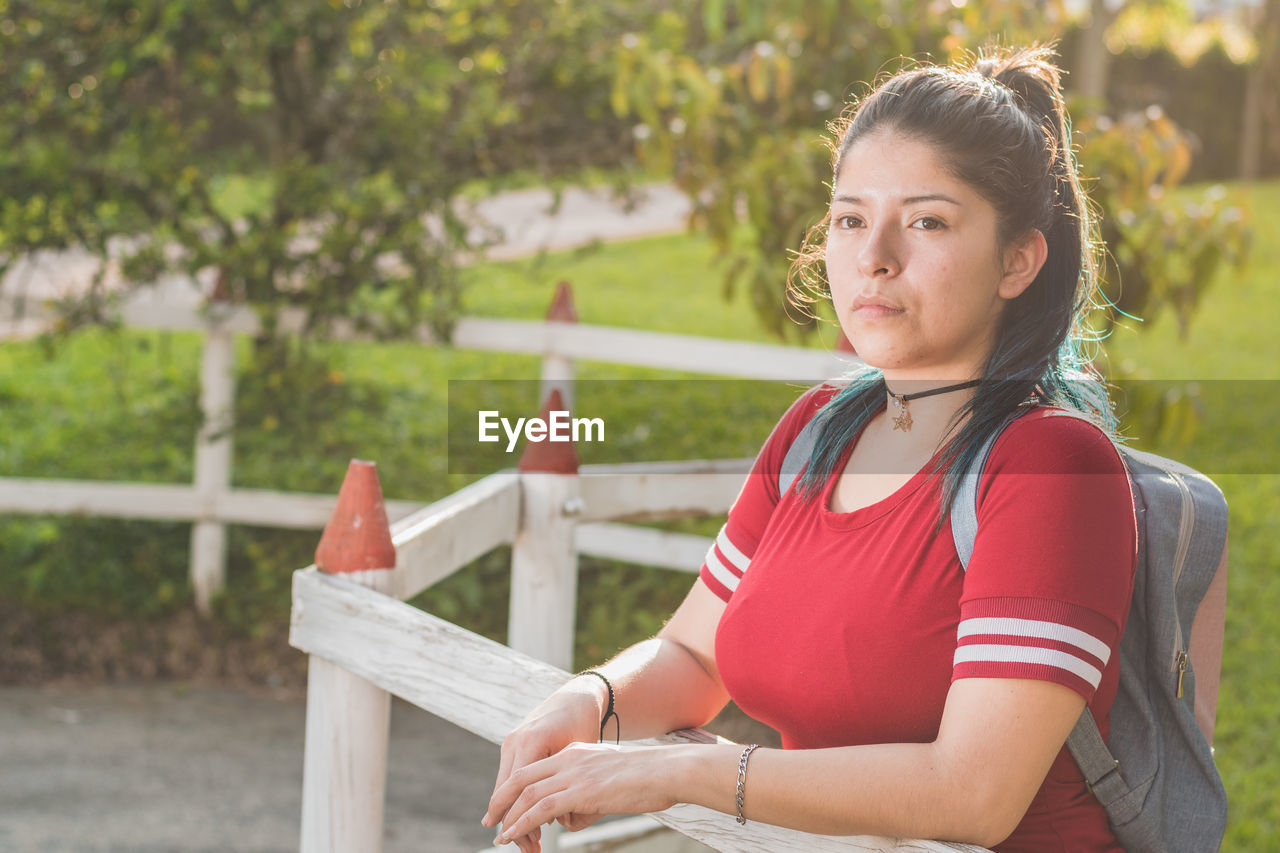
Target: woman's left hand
582, 779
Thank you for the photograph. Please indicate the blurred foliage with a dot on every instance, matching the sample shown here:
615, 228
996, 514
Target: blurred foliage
1206, 101
1174, 26
321, 155
1164, 248
389, 403
729, 96
291, 153
139, 569
311, 154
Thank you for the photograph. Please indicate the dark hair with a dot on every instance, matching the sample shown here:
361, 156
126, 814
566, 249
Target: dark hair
999, 124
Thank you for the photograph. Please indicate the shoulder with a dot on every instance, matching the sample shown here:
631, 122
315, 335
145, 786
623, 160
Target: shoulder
1056, 518
1051, 440
1054, 464
800, 413
763, 484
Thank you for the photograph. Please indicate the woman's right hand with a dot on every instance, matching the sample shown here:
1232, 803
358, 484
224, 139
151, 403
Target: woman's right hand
681, 658
570, 715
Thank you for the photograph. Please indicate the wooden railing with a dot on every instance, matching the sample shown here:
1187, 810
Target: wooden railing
210, 502
366, 644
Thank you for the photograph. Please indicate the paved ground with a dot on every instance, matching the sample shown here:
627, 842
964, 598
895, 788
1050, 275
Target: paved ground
161, 768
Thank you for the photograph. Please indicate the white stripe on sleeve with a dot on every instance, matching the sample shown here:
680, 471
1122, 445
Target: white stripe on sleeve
1029, 654
719, 572
731, 552
1036, 628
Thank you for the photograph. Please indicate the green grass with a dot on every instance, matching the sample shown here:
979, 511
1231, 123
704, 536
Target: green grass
1233, 335
1233, 348
669, 284
116, 405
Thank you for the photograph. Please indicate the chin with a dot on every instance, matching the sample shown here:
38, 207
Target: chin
874, 357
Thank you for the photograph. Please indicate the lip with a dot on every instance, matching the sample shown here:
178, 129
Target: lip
874, 306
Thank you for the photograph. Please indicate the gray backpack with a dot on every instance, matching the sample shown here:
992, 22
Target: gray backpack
1156, 776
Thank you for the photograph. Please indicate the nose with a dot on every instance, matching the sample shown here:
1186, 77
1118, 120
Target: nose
878, 256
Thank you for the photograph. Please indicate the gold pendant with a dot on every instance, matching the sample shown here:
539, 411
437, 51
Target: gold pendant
903, 421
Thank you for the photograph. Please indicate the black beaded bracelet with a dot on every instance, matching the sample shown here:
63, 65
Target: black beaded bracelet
609, 712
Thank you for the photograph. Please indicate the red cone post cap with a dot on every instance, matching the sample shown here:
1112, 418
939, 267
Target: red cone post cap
562, 309
358, 536
554, 457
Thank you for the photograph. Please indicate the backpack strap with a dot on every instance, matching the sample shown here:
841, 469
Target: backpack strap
1100, 768
964, 508
797, 456
1085, 742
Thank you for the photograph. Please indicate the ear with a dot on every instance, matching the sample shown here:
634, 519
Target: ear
1022, 262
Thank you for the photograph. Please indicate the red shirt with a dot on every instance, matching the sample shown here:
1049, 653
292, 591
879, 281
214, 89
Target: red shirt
848, 628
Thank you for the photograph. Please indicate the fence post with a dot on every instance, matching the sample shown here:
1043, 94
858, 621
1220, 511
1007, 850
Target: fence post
213, 457
557, 370
544, 564
344, 773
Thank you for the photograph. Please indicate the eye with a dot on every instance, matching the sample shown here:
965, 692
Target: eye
846, 220
930, 223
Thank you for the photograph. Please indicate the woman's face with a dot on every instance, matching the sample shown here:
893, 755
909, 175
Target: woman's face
917, 278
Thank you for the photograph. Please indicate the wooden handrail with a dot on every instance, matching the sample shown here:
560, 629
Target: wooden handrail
487, 688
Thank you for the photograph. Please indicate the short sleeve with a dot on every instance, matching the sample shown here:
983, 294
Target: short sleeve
1048, 587
729, 557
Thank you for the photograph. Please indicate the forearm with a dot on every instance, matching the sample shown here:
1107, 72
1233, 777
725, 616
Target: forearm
660, 686
902, 790
996, 742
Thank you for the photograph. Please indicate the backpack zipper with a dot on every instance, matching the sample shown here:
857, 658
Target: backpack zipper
1185, 527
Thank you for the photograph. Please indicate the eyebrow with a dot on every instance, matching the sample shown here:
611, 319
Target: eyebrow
915, 199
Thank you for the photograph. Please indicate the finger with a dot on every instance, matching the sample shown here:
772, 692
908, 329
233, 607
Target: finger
505, 759
531, 842
504, 795
575, 821
513, 759
515, 755
541, 809
516, 786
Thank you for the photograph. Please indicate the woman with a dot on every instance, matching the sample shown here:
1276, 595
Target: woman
914, 698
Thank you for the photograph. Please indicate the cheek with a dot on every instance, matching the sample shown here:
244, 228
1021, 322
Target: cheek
841, 297
837, 275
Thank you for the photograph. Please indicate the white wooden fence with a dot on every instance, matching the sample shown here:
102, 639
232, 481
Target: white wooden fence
211, 503
365, 643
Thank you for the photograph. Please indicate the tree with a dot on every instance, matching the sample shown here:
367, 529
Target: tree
1262, 107
296, 153
310, 155
731, 96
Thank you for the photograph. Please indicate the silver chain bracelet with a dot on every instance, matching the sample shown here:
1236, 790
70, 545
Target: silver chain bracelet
742, 777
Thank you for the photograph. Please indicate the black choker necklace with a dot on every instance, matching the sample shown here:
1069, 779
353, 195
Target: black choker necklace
904, 421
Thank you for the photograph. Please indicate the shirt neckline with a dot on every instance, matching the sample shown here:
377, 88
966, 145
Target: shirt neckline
862, 516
